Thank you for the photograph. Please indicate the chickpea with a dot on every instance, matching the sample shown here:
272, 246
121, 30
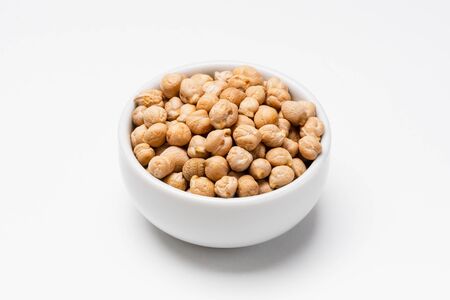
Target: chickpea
290, 146
170, 84
247, 137
185, 110
233, 95
297, 112
298, 166
223, 114
259, 151
173, 107
247, 186
248, 107
278, 157
197, 148
176, 180
201, 78
155, 135
226, 187
137, 115
216, 167
143, 153
276, 97
201, 186
160, 166
284, 125
294, 134
137, 135
154, 114
194, 166
245, 76
313, 126
149, 97
214, 87
177, 155
199, 122
223, 76
260, 168
265, 115
207, 101
280, 176
239, 159
191, 90
219, 142
271, 135
309, 147
257, 92
275, 82
264, 187
178, 134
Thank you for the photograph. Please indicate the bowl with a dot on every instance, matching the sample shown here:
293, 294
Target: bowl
218, 222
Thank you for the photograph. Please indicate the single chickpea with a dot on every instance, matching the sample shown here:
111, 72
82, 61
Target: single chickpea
276, 83
223, 76
154, 114
279, 157
276, 97
257, 92
260, 168
247, 186
223, 114
170, 84
245, 76
298, 166
201, 78
216, 167
185, 110
248, 107
190, 90
160, 166
313, 126
201, 186
265, 115
178, 134
219, 141
284, 125
297, 112
234, 174
264, 187
290, 146
149, 97
197, 147
271, 135
137, 135
294, 134
199, 122
160, 149
173, 107
207, 101
137, 115
176, 180
239, 159
233, 95
155, 135
177, 155
143, 153
280, 176
259, 151
194, 166
309, 147
214, 87
226, 187
247, 137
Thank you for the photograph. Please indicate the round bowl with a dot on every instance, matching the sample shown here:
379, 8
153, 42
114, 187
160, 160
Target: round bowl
218, 222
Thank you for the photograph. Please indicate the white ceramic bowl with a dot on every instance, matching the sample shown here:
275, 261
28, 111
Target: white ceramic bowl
217, 222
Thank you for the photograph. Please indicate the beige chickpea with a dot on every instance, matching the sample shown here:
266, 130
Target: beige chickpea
160, 166
201, 186
160, 149
309, 147
290, 146
233, 95
223, 76
207, 101
284, 125
137, 135
271, 135
191, 90
280, 176
279, 157
264, 187
219, 142
149, 97
248, 107
176, 180
234, 174
294, 134
223, 114
245, 76
143, 153
298, 166
216, 167
199, 122
226, 186
239, 159
155, 135
137, 116
257, 92
194, 166
275, 82
185, 110
170, 84
177, 155
260, 168
259, 151
265, 115
154, 114
214, 87
247, 186
178, 134
197, 147
201, 78
276, 97
173, 107
313, 126
298, 112
247, 137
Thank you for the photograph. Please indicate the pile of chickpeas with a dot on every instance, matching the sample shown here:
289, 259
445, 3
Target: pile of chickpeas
231, 134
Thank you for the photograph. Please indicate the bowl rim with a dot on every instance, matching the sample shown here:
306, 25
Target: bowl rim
311, 171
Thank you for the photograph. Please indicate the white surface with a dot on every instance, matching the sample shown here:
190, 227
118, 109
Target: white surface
68, 229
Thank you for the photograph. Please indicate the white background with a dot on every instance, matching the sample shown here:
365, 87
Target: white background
68, 229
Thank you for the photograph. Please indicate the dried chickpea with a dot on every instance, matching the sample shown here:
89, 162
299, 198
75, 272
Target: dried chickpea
173, 107
170, 84
271, 135
154, 114
276, 83
276, 97
290, 146
294, 134
223, 114
284, 125
247, 186
309, 147
265, 115
216, 167
247, 137
155, 135
313, 126
137, 135
278, 157
185, 110
178, 134
194, 166
207, 101
199, 122
264, 187
191, 90
248, 107
298, 166
177, 155
259, 151
176, 180
149, 97
223, 76
233, 95
280, 176
201, 78
297, 112
214, 87
260, 168
197, 147
137, 115
239, 159
143, 153
201, 186
226, 187
257, 92
219, 142
245, 76
160, 166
